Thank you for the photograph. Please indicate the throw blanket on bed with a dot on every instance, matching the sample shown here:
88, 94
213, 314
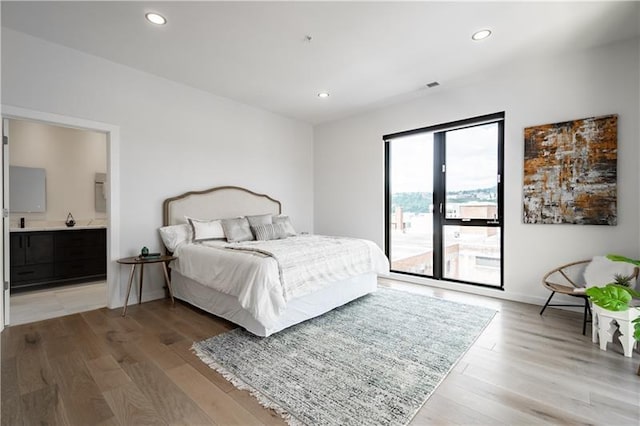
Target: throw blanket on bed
308, 261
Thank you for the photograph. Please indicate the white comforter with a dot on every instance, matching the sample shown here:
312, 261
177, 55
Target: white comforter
265, 275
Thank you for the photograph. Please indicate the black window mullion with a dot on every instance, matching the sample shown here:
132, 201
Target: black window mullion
449, 126
501, 197
501, 172
438, 202
472, 222
387, 199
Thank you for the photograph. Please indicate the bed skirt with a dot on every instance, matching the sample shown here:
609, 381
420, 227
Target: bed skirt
297, 310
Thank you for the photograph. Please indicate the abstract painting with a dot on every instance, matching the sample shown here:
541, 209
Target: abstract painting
570, 172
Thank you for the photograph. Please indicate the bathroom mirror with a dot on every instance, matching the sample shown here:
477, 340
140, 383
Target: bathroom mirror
27, 190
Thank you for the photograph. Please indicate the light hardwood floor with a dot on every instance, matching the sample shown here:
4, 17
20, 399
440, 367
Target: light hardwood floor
56, 302
97, 368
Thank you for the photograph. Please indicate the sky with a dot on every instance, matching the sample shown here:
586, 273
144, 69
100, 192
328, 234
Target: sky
472, 158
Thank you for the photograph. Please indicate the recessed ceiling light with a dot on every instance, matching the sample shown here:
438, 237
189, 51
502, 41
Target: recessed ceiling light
323, 95
481, 35
155, 18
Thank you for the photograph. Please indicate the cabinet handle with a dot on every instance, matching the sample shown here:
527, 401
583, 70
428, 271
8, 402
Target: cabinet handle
21, 241
28, 240
26, 273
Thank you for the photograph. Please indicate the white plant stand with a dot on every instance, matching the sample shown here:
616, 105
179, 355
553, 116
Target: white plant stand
603, 328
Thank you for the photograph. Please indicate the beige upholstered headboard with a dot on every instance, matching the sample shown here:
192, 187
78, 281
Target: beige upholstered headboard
217, 203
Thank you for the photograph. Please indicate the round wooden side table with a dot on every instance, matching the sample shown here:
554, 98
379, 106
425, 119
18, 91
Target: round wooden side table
137, 260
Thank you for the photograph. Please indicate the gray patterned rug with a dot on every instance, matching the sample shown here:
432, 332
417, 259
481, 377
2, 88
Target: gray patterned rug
374, 361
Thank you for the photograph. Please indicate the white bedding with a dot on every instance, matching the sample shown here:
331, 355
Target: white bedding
254, 278
308, 262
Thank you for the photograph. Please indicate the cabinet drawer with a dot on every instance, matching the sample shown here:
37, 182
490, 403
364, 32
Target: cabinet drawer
80, 268
32, 273
81, 238
80, 253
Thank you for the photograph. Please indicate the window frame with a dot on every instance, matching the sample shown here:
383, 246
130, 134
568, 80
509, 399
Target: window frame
439, 194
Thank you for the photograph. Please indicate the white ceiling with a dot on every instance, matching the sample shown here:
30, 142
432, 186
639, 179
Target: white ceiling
363, 53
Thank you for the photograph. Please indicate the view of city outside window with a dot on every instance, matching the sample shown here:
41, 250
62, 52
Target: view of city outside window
470, 253
411, 233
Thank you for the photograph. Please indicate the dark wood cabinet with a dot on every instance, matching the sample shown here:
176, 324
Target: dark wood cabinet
30, 248
31, 257
48, 258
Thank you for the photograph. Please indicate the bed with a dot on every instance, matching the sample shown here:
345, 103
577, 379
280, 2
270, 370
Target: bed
244, 282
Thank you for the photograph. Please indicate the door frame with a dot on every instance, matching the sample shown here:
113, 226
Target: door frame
113, 191
4, 301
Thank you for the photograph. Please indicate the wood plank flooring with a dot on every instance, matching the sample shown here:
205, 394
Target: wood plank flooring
97, 368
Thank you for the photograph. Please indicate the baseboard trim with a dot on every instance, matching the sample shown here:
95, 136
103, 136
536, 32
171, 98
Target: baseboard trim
481, 291
146, 297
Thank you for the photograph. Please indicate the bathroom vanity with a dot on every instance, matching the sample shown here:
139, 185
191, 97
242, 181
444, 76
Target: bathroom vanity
52, 257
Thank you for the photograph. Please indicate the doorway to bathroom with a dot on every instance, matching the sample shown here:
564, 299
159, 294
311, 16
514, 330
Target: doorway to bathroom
57, 220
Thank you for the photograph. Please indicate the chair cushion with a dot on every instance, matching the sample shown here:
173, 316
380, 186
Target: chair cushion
600, 271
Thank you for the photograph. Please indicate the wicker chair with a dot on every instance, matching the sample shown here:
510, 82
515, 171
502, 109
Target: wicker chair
568, 279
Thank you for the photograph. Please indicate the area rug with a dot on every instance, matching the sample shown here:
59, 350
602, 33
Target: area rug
374, 361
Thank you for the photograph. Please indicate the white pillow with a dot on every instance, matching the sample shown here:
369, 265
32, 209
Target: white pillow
174, 235
270, 231
286, 224
260, 219
600, 271
206, 229
237, 229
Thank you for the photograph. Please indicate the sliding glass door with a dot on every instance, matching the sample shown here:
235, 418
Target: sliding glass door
444, 201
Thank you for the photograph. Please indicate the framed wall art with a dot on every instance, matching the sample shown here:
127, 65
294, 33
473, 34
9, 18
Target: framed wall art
570, 172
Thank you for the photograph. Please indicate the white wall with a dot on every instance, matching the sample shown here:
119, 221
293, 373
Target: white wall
172, 138
349, 157
70, 157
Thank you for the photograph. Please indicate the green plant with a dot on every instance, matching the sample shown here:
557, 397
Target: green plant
623, 280
616, 298
612, 297
618, 258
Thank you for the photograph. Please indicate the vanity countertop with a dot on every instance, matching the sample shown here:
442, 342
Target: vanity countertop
37, 226
55, 228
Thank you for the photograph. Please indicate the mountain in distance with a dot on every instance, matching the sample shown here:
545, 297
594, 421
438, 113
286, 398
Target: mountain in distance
419, 202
